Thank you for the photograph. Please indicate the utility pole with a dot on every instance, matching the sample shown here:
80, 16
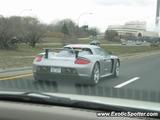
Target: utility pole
158, 13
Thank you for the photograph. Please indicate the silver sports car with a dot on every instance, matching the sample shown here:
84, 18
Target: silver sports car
90, 63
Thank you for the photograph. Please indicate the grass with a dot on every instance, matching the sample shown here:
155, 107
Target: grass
21, 57
25, 55
80, 40
51, 40
121, 50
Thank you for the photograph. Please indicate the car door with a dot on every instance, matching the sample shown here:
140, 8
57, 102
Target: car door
105, 61
108, 62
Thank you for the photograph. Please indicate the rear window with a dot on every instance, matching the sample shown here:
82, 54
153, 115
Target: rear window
66, 52
69, 52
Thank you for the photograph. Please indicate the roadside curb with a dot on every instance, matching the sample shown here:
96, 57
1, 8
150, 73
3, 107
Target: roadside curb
11, 76
15, 69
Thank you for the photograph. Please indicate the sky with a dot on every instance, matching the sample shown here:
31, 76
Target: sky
95, 13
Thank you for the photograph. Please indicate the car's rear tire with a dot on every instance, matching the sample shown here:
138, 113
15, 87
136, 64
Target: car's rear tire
116, 71
95, 77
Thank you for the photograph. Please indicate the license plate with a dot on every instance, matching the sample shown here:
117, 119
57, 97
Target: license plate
55, 70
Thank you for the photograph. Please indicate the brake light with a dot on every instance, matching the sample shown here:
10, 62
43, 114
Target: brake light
82, 61
39, 58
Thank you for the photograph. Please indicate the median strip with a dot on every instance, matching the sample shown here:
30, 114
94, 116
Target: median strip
127, 82
15, 77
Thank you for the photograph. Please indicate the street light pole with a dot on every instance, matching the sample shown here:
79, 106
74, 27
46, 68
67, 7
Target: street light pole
24, 11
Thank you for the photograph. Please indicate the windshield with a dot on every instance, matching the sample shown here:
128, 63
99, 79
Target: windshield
98, 48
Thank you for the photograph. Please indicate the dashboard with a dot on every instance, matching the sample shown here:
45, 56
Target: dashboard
29, 111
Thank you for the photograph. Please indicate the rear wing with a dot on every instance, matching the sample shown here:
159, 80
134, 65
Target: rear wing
47, 50
77, 52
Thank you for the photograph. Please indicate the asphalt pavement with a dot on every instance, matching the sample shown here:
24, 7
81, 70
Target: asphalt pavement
139, 79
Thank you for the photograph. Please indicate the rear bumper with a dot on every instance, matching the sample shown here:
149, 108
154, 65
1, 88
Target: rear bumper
44, 73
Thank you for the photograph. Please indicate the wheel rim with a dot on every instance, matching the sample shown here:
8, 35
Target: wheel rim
96, 74
117, 69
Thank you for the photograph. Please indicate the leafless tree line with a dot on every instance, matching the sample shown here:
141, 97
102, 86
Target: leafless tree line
29, 30
15, 30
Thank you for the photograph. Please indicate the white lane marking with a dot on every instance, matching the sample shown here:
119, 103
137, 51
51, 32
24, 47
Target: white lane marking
127, 82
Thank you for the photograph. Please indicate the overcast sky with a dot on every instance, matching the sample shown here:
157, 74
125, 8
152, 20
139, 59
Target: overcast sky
105, 12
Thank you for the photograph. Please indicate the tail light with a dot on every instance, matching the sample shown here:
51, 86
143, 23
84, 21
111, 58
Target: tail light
39, 58
82, 61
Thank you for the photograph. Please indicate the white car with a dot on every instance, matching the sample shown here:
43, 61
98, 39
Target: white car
87, 62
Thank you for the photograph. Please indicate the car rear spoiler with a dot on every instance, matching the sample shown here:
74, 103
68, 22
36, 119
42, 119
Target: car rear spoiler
47, 50
76, 52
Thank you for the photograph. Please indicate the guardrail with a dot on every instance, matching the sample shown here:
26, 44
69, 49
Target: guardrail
15, 69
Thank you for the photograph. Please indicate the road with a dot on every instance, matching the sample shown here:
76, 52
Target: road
139, 79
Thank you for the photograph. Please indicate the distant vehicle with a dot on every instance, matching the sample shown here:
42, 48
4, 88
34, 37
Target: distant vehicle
123, 43
139, 42
155, 43
95, 42
87, 62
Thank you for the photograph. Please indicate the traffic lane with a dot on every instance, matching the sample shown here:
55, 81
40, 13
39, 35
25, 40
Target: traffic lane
141, 89
61, 86
129, 70
64, 85
147, 69
134, 68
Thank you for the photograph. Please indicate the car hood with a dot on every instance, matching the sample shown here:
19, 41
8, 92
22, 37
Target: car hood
135, 104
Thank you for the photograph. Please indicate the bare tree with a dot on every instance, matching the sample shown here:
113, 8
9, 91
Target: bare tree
74, 30
14, 30
93, 31
8, 37
111, 35
32, 31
